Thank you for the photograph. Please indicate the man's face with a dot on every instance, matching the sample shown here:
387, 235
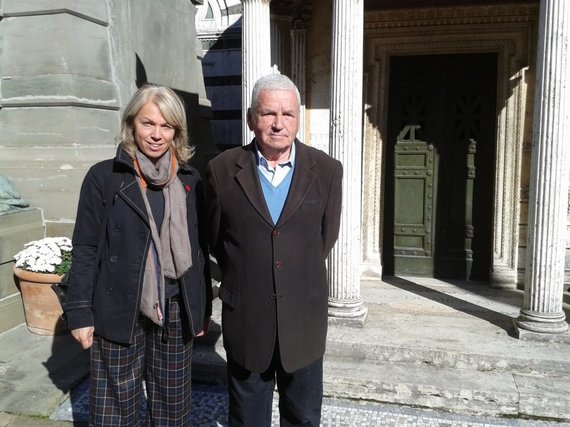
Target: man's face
275, 122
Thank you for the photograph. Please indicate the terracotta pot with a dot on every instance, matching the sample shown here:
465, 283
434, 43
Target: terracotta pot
41, 306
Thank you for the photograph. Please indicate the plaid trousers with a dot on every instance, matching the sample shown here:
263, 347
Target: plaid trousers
160, 357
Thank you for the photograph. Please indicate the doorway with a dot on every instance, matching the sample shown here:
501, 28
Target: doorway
438, 200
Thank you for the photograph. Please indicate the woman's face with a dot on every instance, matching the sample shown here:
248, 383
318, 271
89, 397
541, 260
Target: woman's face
153, 135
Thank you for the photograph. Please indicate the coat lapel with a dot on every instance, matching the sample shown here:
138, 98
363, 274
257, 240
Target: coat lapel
248, 179
130, 191
303, 178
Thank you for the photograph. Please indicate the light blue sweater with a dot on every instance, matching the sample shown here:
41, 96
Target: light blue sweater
275, 196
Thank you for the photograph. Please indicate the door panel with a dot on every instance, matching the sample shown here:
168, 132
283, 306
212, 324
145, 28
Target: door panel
449, 102
413, 204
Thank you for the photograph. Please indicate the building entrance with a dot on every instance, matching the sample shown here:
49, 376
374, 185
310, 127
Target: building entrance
438, 200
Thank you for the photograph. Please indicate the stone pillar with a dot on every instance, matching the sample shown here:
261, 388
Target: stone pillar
256, 51
280, 44
298, 46
542, 313
345, 303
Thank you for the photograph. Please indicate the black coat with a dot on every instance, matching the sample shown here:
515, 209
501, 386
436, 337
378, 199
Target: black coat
274, 282
110, 300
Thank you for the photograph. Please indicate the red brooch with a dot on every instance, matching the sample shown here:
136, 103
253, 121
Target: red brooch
187, 188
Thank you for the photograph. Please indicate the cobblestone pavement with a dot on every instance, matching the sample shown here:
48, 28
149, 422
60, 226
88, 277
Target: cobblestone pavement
210, 406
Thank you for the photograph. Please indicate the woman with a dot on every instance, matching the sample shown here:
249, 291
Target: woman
138, 301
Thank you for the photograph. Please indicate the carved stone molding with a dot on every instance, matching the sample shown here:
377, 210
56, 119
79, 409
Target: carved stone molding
478, 15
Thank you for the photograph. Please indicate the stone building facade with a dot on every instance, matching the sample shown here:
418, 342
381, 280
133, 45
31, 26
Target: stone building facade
450, 121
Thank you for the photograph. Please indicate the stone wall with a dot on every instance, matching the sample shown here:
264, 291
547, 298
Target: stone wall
67, 69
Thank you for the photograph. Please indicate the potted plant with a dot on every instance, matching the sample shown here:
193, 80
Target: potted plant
38, 265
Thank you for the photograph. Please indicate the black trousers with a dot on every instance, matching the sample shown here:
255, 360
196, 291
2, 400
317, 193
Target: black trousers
251, 394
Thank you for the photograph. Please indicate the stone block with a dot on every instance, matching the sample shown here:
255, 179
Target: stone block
50, 127
17, 227
11, 312
56, 44
89, 9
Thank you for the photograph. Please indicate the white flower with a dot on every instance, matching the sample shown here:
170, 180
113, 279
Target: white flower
48, 255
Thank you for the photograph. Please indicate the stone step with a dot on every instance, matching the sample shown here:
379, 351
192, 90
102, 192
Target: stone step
519, 359
414, 351
210, 355
520, 384
499, 394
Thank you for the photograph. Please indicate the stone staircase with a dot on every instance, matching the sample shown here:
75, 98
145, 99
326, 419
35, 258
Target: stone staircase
435, 345
465, 383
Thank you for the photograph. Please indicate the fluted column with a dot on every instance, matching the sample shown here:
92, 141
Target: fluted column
298, 46
345, 302
280, 27
256, 52
542, 313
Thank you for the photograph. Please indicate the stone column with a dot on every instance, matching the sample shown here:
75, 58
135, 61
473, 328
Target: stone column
542, 312
256, 52
298, 46
280, 27
345, 303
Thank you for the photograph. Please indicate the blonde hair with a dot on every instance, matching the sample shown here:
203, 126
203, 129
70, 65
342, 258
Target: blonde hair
172, 109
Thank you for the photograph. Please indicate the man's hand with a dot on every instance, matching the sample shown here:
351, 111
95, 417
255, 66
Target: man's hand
205, 327
84, 336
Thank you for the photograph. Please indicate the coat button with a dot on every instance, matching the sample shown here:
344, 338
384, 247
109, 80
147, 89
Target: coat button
276, 232
278, 264
114, 258
273, 296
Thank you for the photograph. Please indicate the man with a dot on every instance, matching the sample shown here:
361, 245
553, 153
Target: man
274, 209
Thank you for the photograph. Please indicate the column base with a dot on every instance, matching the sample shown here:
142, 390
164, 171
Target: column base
350, 313
371, 270
504, 279
532, 325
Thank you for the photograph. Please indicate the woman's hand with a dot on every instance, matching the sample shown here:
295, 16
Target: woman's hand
84, 336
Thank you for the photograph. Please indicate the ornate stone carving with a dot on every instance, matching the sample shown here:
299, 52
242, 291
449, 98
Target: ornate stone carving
476, 15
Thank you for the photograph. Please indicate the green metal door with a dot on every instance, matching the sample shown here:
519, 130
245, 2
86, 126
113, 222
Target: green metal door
439, 166
414, 172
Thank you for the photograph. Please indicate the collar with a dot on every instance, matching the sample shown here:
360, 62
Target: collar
262, 161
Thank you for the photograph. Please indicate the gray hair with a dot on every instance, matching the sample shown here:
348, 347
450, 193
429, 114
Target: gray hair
272, 82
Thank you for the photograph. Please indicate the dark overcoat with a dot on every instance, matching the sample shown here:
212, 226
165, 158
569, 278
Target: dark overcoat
274, 283
108, 296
